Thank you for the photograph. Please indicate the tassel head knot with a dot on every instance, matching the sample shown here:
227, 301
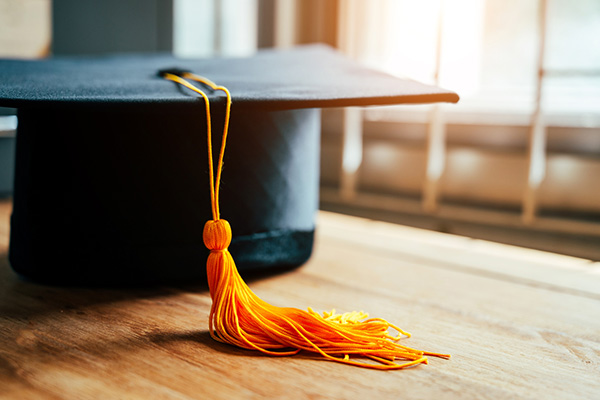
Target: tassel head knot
217, 235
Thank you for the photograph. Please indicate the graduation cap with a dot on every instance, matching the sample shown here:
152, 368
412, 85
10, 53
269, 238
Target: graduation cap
110, 182
110, 178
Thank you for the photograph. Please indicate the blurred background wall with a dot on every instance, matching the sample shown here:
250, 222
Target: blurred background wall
516, 161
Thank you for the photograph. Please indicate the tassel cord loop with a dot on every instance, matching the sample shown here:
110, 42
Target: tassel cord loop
213, 182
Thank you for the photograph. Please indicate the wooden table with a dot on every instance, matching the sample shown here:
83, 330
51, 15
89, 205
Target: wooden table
519, 324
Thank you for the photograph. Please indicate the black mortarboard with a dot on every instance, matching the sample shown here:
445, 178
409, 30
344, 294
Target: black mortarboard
111, 172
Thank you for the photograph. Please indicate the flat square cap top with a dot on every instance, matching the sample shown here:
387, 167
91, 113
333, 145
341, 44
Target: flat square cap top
311, 76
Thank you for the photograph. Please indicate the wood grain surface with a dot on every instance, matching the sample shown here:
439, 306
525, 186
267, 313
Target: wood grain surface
520, 324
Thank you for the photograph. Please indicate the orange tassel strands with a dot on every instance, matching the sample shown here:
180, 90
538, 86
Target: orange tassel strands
240, 318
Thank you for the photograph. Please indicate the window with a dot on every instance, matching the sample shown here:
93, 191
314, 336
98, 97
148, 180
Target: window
488, 160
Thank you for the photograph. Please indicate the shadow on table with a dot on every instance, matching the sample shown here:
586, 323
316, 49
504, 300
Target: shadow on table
22, 298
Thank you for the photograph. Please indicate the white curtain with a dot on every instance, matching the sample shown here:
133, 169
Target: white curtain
205, 28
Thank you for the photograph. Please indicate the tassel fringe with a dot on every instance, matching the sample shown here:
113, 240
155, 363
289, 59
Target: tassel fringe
242, 319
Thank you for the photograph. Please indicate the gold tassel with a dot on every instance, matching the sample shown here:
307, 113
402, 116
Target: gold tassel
240, 318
